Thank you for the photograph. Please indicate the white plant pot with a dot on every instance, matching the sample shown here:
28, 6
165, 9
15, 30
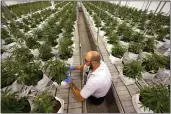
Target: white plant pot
163, 73
114, 60
159, 44
125, 44
5, 55
148, 76
142, 55
128, 57
42, 84
167, 53
117, 62
109, 48
126, 80
137, 105
35, 52
61, 110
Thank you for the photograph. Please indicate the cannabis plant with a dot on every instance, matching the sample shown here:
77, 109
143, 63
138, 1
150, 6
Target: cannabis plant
138, 37
127, 34
67, 35
161, 33
45, 52
118, 50
121, 29
57, 69
135, 47
8, 41
45, 103
156, 98
13, 29
8, 72
38, 34
26, 21
4, 33
23, 55
29, 74
133, 70
65, 52
11, 104
113, 39
31, 42
150, 44
19, 25
155, 61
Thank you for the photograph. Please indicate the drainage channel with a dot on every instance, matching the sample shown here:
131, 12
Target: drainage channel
88, 44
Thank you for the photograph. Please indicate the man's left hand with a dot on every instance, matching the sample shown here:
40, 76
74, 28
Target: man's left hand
68, 79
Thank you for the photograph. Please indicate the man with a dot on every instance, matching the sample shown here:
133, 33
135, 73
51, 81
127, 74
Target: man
98, 79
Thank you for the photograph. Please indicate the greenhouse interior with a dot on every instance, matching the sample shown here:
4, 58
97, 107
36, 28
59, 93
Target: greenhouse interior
62, 56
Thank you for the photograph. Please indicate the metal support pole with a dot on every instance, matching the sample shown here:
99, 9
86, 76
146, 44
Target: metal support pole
168, 13
162, 7
143, 6
153, 17
4, 8
157, 7
126, 3
146, 5
149, 5
99, 22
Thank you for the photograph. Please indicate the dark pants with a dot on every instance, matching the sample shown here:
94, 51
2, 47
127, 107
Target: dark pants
96, 101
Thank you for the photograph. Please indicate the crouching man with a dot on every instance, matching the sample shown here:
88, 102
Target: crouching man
98, 79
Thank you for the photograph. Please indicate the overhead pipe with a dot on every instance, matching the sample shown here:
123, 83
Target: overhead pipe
162, 7
126, 3
143, 6
157, 7
146, 5
149, 5
168, 13
153, 17
99, 22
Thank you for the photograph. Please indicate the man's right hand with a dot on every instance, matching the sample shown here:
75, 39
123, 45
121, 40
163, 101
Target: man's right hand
76, 67
72, 68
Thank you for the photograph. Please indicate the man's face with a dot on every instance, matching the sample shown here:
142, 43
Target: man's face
87, 62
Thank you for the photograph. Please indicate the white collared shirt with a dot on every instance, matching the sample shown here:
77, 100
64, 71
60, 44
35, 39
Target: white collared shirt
98, 82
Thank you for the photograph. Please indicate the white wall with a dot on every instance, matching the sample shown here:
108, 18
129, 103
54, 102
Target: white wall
139, 5
16, 2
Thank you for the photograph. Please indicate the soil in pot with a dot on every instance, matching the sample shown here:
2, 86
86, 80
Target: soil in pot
46, 56
57, 106
7, 79
156, 68
147, 50
26, 108
2, 51
54, 80
55, 109
140, 98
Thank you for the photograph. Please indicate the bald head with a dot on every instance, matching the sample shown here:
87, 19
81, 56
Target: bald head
93, 56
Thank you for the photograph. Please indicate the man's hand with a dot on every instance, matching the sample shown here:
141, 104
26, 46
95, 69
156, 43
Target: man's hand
72, 68
80, 67
68, 79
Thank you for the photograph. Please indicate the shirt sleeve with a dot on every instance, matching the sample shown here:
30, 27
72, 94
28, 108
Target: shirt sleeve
88, 89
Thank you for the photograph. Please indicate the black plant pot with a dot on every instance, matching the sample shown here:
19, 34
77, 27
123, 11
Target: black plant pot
8, 41
3, 74
140, 98
46, 56
26, 107
57, 106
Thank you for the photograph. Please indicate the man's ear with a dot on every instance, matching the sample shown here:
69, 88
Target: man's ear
93, 62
